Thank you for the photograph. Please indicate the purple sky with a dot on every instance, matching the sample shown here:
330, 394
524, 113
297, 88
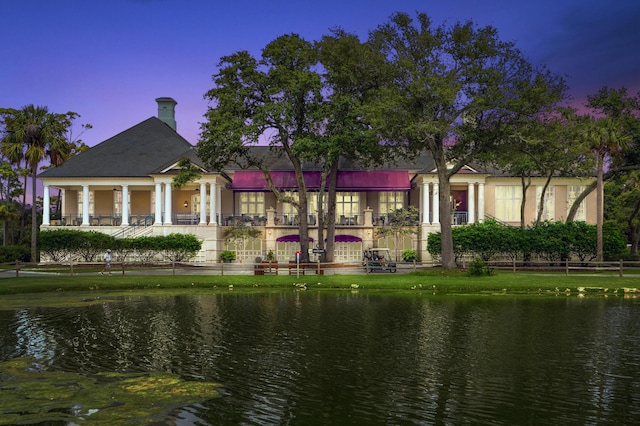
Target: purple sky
109, 60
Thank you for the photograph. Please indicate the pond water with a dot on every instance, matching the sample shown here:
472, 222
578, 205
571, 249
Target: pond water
329, 357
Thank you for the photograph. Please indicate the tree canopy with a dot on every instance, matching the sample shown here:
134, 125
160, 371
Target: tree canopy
455, 91
33, 134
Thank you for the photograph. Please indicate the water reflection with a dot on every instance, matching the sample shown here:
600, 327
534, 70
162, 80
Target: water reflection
359, 358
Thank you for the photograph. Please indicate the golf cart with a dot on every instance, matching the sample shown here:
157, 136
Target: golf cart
378, 259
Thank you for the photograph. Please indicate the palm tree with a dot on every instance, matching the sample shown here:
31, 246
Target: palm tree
606, 138
32, 134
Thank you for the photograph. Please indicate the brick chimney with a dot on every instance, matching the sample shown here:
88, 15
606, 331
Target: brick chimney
167, 111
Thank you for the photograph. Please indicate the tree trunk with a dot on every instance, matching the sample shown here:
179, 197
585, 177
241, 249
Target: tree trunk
331, 212
34, 214
634, 229
436, 147
541, 200
600, 210
448, 257
579, 199
525, 185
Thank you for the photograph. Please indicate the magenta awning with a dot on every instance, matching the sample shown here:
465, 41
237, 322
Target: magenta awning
373, 180
352, 181
293, 238
253, 180
347, 239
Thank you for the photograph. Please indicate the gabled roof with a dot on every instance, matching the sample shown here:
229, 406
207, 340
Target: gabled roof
139, 151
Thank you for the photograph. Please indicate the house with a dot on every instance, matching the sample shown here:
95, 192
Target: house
122, 187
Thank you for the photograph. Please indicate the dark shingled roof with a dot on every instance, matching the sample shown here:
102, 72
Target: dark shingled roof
139, 151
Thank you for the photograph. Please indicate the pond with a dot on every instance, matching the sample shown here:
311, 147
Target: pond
342, 357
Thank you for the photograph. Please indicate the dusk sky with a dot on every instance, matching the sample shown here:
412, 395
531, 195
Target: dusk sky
109, 60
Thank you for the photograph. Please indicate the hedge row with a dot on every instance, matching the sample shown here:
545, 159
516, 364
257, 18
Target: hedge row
551, 241
64, 244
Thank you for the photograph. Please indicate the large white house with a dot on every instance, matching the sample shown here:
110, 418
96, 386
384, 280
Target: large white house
122, 187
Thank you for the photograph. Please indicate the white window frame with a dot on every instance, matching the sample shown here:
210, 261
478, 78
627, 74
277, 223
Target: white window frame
252, 203
508, 199
390, 201
347, 204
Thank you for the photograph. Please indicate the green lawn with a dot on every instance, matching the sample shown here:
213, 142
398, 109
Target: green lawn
437, 281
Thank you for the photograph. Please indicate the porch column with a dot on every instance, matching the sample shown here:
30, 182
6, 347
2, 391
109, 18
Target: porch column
125, 205
212, 204
219, 203
203, 203
167, 204
436, 203
481, 202
46, 206
425, 202
158, 218
471, 203
85, 205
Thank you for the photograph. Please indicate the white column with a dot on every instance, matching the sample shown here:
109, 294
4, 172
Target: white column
219, 203
203, 203
481, 202
46, 206
436, 203
85, 205
63, 204
212, 203
158, 214
425, 202
125, 205
167, 204
471, 203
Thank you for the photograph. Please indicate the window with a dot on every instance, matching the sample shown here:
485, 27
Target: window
252, 203
548, 204
288, 208
347, 204
91, 204
508, 200
572, 195
195, 202
390, 201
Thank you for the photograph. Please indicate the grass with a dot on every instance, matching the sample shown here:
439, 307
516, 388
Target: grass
435, 281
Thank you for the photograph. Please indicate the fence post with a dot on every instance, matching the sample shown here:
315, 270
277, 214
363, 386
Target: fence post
222, 268
17, 268
514, 264
566, 267
71, 267
621, 267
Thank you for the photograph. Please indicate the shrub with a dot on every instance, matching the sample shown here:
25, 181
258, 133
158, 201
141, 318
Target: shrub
478, 268
227, 256
410, 256
13, 253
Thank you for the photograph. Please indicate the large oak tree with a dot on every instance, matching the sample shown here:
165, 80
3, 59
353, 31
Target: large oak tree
455, 91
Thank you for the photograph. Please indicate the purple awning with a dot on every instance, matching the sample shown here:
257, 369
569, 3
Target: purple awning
253, 180
354, 181
373, 180
293, 238
347, 239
